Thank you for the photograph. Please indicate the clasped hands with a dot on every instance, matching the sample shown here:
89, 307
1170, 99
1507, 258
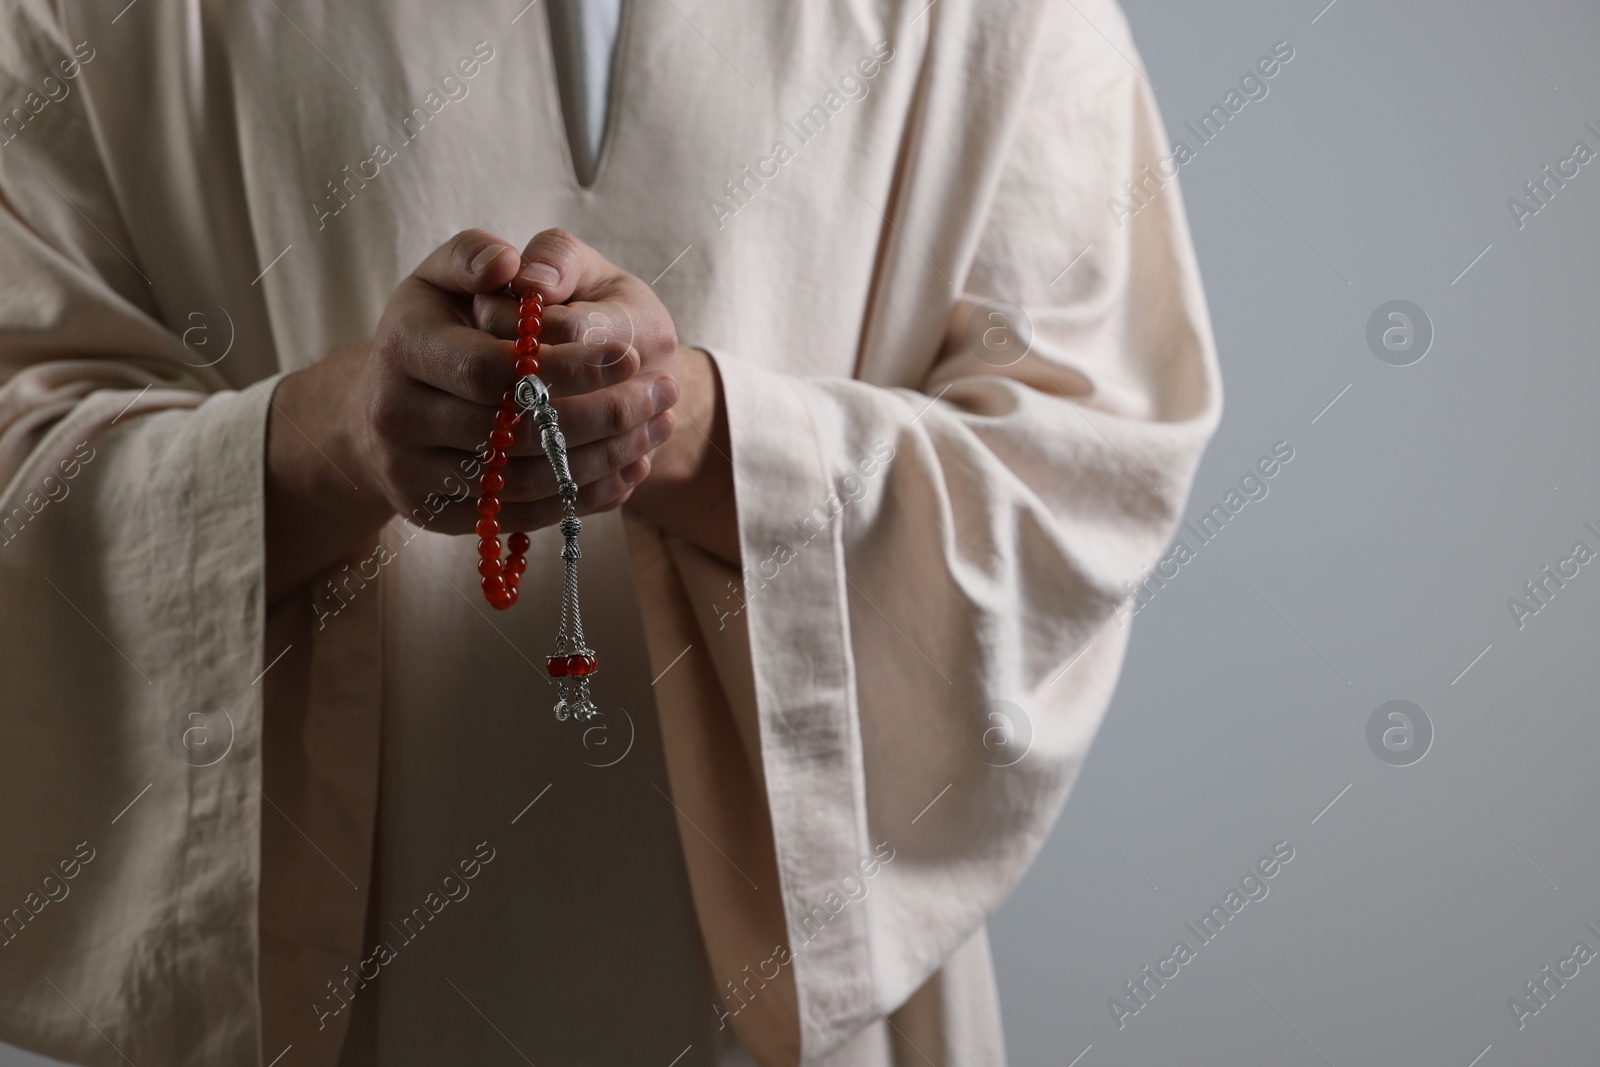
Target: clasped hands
441, 361
394, 419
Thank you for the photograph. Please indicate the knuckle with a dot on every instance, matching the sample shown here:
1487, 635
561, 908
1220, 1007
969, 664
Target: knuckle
666, 336
385, 414
599, 357
649, 318
626, 411
621, 451
487, 315
655, 329
618, 412
607, 321
558, 241
559, 327
473, 374
389, 349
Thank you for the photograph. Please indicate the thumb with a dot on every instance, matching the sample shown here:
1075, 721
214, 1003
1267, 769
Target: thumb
473, 261
562, 268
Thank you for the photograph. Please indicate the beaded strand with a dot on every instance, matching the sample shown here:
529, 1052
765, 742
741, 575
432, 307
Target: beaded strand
501, 579
573, 661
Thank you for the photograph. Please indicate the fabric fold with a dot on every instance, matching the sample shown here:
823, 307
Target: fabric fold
932, 560
161, 784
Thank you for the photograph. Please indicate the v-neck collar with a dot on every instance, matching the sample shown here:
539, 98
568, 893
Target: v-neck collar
618, 85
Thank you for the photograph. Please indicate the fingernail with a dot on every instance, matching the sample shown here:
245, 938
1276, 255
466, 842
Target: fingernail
540, 273
659, 428
486, 257
665, 393
634, 472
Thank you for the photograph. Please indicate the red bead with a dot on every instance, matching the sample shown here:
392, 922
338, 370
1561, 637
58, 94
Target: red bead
502, 578
557, 666
579, 666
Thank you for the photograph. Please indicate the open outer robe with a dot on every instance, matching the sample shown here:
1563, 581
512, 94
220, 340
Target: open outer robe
839, 696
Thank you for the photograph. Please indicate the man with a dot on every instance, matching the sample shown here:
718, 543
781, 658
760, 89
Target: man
867, 466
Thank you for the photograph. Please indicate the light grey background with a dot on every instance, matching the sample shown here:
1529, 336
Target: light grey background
1377, 168
1415, 907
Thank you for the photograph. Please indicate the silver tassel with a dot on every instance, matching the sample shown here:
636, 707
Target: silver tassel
534, 397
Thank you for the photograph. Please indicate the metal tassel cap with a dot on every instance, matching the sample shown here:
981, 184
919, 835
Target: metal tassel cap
530, 392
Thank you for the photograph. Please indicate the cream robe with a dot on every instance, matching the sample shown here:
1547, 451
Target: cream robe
836, 697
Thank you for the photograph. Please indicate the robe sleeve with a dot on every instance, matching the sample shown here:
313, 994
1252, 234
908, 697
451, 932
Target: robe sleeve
933, 566
131, 555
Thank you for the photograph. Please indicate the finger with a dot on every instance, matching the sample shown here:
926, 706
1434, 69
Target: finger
591, 322
418, 414
615, 409
608, 493
613, 490
605, 322
604, 494
462, 517
562, 268
448, 421
474, 366
571, 370
473, 261
442, 497
451, 357
532, 478
496, 313
582, 347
